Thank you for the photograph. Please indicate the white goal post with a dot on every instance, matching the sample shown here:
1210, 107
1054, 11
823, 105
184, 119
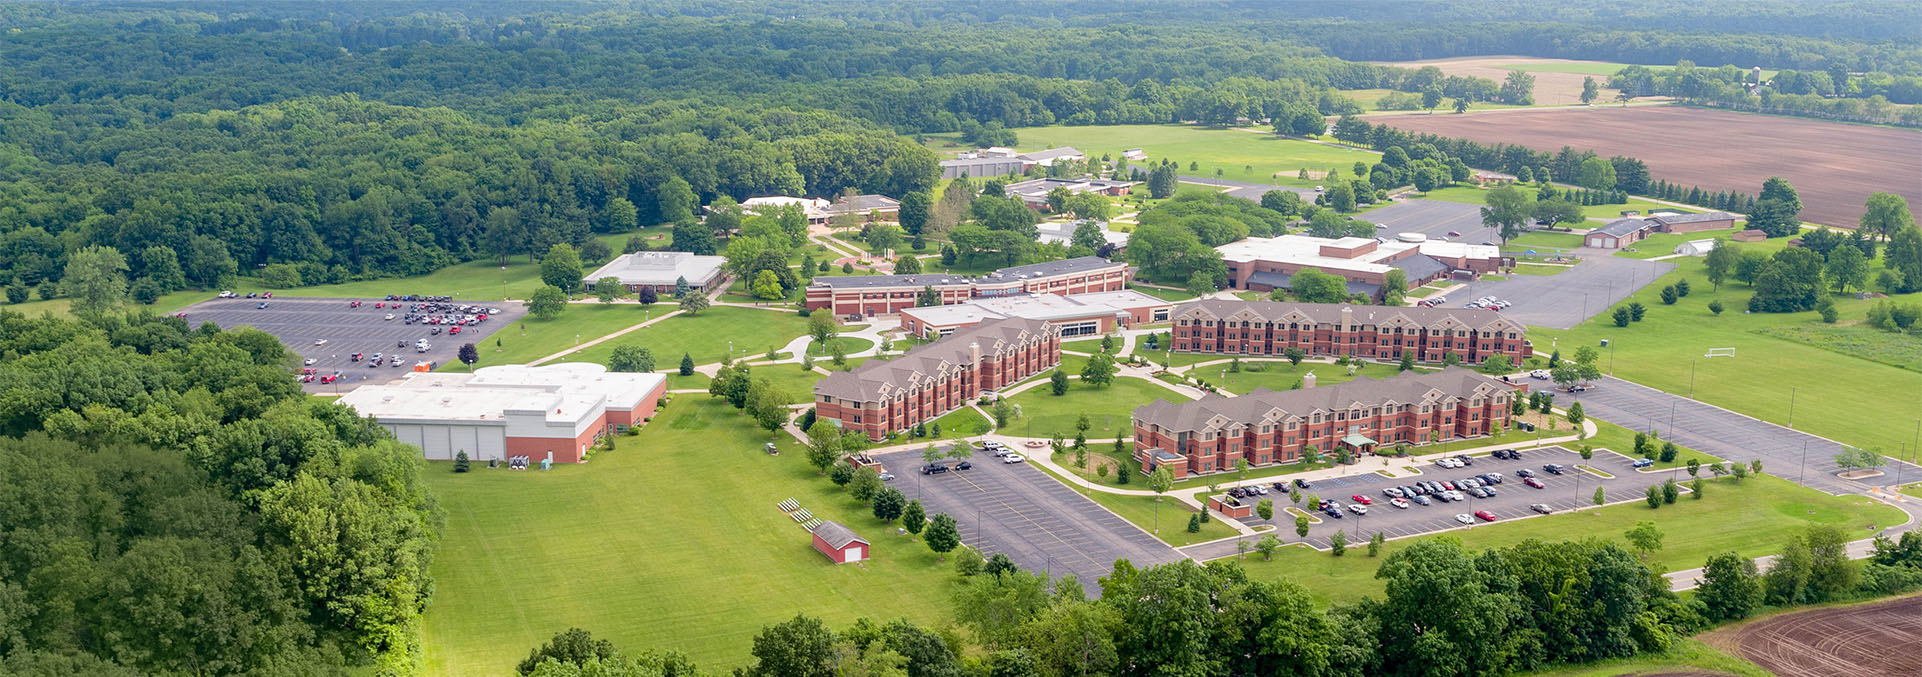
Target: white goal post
1720, 352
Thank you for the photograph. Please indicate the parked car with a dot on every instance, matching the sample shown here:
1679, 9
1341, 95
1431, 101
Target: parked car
1525, 473
1541, 508
1643, 462
1539, 374
934, 469
1358, 509
1331, 512
1485, 515
886, 476
1465, 460
1364, 500
1454, 234
1464, 518
1553, 468
1399, 503
262, 306
1424, 500
1392, 492
1301, 483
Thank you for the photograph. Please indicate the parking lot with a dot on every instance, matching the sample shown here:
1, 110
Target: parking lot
1433, 218
302, 322
1560, 492
1018, 510
1564, 300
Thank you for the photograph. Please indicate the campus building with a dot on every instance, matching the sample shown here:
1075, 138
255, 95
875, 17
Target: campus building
1267, 263
1034, 192
1075, 315
555, 411
1626, 231
662, 271
1268, 427
883, 294
867, 208
997, 161
883, 396
1234, 327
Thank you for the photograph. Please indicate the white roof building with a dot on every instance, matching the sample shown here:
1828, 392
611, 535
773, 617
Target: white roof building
764, 205
510, 410
1063, 232
660, 269
1695, 247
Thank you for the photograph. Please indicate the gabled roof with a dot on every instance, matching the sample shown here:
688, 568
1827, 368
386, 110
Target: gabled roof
876, 379
1620, 227
837, 536
1411, 387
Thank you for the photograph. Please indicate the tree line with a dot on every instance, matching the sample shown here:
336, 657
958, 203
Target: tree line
174, 505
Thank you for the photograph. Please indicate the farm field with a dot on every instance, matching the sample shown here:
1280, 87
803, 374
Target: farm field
1558, 82
659, 538
1728, 517
1833, 166
1809, 643
1367, 99
1849, 399
1241, 156
1476, 196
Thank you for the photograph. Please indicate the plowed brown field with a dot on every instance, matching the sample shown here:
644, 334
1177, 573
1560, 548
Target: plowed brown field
1871, 640
1833, 166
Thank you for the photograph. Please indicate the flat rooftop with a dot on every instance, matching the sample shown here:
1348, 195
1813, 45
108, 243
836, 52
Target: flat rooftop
1036, 307
562, 392
1306, 250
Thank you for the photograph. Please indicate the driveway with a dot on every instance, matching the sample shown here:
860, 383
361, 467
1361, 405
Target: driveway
1561, 492
1720, 432
1030, 517
1562, 301
1248, 190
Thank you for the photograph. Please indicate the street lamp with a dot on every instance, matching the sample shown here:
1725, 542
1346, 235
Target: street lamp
1791, 407
1691, 380
1805, 462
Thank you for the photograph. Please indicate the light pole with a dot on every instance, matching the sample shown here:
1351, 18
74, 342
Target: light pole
1691, 378
1799, 473
1671, 419
1791, 407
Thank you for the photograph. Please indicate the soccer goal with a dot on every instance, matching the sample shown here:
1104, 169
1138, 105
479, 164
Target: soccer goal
1720, 352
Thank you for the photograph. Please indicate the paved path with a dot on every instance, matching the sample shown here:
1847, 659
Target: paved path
1720, 432
1689, 579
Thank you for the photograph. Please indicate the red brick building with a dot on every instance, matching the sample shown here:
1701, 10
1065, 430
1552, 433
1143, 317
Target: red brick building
883, 396
884, 294
1331, 329
1268, 427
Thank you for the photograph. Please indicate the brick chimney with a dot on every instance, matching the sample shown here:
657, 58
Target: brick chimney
1347, 318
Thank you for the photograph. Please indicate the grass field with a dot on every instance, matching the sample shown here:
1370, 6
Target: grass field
1241, 156
1168, 522
1890, 348
796, 385
848, 344
663, 537
532, 338
1279, 375
1540, 270
1542, 238
1164, 294
1751, 518
1108, 407
1849, 399
1684, 657
1472, 195
964, 422
706, 336
1663, 244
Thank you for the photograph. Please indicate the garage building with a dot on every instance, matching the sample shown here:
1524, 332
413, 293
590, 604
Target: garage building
555, 411
839, 543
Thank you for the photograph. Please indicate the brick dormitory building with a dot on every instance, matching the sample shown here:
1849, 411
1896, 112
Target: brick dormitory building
1231, 327
1267, 427
883, 396
884, 294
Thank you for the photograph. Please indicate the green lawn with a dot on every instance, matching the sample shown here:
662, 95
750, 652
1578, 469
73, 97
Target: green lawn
532, 338
1542, 238
675, 381
1685, 656
1109, 408
1663, 244
1869, 343
671, 540
1164, 294
1473, 195
1168, 521
1850, 399
1241, 156
1539, 270
1751, 518
706, 336
964, 422
1279, 375
849, 344
1090, 346
796, 384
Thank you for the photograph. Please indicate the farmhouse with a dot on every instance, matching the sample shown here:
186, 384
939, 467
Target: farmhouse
1235, 327
1268, 427
1267, 263
884, 396
549, 412
1075, 315
883, 294
839, 543
662, 271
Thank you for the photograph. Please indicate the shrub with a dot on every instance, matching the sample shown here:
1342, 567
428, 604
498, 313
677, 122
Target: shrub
1716, 306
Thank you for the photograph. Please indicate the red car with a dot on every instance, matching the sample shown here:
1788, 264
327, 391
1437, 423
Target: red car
1364, 500
330, 378
1530, 481
1485, 515
455, 330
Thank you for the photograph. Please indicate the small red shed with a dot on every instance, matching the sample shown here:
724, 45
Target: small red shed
839, 543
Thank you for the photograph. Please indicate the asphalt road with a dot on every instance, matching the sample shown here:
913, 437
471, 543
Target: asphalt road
1563, 301
1020, 511
299, 322
1433, 218
1561, 492
1720, 432
1248, 190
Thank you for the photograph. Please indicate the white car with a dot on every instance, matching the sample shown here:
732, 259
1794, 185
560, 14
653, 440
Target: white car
1464, 518
389, 316
1540, 374
1012, 458
1260, 489
320, 342
1399, 503
1358, 508
310, 361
